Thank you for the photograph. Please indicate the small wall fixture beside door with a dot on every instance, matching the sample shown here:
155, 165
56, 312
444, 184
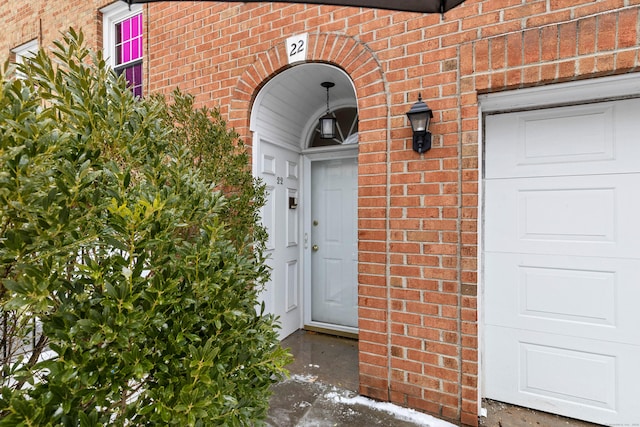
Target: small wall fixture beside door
419, 116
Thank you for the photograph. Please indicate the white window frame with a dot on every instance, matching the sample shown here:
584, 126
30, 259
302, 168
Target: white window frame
112, 15
25, 51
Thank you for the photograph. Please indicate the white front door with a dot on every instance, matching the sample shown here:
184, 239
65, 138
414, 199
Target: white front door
279, 168
562, 260
334, 244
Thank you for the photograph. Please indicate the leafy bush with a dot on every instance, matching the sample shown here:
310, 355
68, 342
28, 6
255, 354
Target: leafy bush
223, 158
118, 250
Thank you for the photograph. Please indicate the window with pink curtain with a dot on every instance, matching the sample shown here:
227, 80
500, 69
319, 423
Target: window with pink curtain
129, 39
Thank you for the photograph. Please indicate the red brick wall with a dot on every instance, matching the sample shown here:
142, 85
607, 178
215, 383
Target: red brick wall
417, 214
44, 20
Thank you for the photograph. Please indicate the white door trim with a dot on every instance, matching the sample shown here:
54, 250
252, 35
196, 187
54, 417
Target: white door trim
308, 158
571, 93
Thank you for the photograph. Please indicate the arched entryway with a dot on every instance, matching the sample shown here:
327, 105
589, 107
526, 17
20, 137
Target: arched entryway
311, 210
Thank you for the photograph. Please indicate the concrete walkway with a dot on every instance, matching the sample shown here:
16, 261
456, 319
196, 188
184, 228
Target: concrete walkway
322, 390
303, 401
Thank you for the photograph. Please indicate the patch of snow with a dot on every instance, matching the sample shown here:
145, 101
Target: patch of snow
311, 365
400, 413
304, 378
303, 404
47, 355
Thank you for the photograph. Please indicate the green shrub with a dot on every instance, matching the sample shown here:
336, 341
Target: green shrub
223, 158
116, 242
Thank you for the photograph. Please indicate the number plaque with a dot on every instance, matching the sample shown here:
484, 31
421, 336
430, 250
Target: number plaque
297, 48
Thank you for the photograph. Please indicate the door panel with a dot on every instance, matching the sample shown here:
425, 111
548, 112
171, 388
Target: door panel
581, 215
581, 378
564, 141
586, 297
280, 172
334, 289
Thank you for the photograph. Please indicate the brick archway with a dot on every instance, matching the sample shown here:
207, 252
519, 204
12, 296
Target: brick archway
343, 51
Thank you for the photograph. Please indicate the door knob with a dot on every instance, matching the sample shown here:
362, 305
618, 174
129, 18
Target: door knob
315, 248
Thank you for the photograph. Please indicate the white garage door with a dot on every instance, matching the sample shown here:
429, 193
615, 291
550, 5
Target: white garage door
562, 260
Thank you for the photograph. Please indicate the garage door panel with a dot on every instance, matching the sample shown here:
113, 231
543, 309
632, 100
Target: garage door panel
572, 296
579, 215
562, 260
579, 379
563, 141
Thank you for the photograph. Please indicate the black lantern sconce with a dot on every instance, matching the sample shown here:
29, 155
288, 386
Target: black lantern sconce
327, 122
419, 116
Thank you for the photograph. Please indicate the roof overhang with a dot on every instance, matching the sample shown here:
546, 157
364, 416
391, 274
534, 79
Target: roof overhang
420, 6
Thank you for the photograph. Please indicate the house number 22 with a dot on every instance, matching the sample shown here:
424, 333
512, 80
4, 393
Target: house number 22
279, 180
297, 48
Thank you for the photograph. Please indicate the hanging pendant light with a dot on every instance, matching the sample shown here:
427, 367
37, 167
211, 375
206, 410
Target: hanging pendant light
327, 122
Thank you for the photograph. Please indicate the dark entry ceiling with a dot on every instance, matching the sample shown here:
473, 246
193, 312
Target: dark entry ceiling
421, 6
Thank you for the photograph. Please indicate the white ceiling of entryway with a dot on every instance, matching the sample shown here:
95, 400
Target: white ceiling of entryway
290, 104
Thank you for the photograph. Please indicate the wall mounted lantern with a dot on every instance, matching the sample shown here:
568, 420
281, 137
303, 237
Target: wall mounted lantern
419, 116
327, 122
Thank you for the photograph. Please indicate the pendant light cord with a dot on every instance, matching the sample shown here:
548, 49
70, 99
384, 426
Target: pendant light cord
327, 100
